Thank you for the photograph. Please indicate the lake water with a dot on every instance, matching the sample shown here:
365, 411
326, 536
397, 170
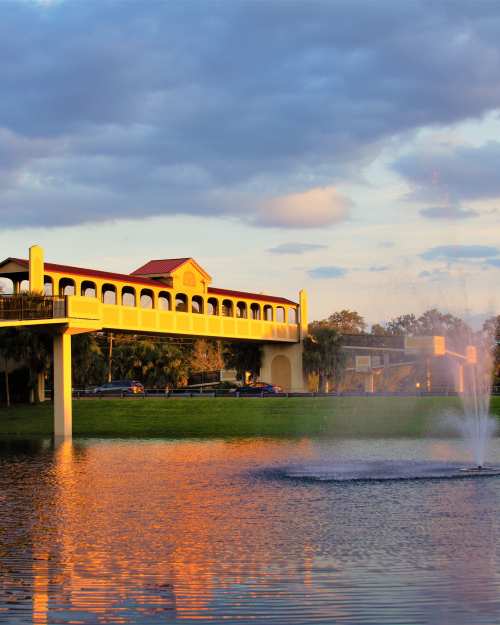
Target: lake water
245, 531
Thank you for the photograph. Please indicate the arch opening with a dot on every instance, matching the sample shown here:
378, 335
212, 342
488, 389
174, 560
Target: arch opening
197, 304
181, 302
48, 286
255, 311
212, 306
164, 301
128, 296
108, 294
227, 308
146, 298
88, 289
241, 310
67, 286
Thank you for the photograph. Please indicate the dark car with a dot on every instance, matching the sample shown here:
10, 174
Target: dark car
120, 387
256, 388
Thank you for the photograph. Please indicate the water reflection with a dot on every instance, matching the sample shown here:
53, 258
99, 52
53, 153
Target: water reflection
155, 531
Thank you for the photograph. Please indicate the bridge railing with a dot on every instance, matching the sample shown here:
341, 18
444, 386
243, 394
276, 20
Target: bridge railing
29, 307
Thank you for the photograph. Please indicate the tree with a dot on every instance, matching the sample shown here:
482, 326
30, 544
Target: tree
404, 325
88, 362
27, 347
206, 356
243, 357
9, 351
435, 323
35, 350
323, 355
491, 331
344, 321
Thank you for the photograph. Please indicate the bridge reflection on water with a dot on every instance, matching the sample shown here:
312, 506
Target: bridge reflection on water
155, 531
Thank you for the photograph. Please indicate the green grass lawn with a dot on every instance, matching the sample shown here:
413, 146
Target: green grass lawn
219, 417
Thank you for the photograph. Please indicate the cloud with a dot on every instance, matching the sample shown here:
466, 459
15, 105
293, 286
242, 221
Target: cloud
448, 212
312, 209
127, 110
435, 275
329, 272
452, 253
461, 173
296, 248
378, 268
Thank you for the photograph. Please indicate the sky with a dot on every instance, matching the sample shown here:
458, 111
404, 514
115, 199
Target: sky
351, 148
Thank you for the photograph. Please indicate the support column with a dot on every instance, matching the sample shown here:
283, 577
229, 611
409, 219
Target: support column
63, 413
41, 386
282, 365
369, 383
460, 378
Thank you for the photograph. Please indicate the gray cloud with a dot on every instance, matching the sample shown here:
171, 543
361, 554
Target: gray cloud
378, 268
329, 272
448, 212
113, 110
460, 252
435, 275
296, 248
460, 172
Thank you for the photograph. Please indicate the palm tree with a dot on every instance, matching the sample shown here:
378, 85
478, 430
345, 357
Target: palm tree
323, 355
9, 351
34, 349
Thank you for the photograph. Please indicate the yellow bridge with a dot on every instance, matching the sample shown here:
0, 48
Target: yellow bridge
168, 296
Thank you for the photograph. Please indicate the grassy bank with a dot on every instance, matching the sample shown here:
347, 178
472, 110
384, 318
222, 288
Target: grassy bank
283, 417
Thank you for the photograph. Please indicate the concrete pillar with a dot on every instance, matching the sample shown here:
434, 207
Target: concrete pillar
41, 386
63, 416
369, 383
36, 269
460, 378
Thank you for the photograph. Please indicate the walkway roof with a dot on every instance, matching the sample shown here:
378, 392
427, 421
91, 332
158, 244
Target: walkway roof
123, 277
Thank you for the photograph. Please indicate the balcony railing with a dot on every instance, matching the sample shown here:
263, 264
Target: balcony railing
28, 307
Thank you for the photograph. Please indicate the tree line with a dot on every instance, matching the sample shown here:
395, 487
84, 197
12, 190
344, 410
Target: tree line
325, 358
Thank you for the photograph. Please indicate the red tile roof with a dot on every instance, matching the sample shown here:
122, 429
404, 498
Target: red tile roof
256, 296
94, 273
123, 277
158, 267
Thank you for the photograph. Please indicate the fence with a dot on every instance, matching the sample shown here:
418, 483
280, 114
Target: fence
28, 307
235, 394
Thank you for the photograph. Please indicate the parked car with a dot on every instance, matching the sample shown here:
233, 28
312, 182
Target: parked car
256, 388
120, 387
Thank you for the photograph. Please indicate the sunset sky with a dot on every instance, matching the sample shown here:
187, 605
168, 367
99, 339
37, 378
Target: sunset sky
349, 148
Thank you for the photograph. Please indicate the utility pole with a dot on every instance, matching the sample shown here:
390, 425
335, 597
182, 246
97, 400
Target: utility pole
110, 357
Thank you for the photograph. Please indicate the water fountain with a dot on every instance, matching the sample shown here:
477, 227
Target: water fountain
477, 426
470, 363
